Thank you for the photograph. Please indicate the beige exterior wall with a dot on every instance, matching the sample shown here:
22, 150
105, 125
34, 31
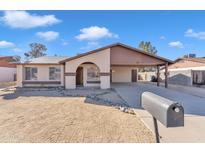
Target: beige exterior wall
101, 59
62, 75
104, 82
19, 75
122, 74
70, 82
42, 73
124, 56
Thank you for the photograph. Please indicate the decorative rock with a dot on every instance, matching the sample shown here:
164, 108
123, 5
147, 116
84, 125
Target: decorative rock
131, 111
125, 109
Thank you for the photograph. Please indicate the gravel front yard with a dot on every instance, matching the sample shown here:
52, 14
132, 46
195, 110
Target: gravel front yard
66, 119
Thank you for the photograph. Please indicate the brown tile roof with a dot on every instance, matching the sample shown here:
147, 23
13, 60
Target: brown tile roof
187, 62
200, 60
6, 61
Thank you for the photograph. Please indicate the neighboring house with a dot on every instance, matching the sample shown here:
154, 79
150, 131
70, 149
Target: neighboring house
187, 71
7, 69
99, 68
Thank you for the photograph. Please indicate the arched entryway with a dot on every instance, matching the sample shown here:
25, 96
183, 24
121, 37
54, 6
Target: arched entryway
79, 76
88, 75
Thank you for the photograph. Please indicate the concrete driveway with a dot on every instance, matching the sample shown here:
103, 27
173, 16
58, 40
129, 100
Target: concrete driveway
194, 106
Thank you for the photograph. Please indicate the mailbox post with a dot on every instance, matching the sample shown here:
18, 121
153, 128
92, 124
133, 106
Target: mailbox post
168, 112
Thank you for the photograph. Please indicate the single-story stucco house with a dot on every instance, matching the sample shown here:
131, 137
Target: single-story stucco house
187, 71
7, 69
113, 63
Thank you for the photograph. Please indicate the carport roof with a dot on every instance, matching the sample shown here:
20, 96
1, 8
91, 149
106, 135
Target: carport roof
117, 44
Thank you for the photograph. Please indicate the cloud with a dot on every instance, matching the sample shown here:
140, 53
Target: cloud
193, 34
64, 42
48, 36
162, 38
90, 46
23, 19
17, 50
95, 33
6, 44
176, 44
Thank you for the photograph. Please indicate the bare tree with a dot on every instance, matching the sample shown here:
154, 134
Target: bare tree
16, 58
37, 50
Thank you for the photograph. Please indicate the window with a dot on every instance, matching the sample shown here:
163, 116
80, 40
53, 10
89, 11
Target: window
93, 75
54, 73
31, 73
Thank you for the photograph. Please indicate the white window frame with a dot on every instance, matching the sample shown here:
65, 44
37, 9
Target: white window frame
57, 74
33, 76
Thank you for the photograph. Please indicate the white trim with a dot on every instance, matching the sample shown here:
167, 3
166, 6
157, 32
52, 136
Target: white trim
189, 68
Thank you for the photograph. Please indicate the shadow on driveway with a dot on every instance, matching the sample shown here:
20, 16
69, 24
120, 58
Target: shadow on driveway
131, 94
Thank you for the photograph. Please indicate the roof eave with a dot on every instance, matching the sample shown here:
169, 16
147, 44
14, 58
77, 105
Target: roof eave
38, 64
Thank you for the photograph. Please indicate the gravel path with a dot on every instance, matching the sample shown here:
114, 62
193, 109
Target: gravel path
66, 119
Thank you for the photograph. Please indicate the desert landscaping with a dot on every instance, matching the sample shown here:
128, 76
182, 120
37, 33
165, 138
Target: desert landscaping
37, 118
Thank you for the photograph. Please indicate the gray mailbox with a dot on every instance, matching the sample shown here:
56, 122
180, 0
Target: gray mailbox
168, 112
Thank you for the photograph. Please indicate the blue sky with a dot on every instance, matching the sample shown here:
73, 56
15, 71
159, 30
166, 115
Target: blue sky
66, 33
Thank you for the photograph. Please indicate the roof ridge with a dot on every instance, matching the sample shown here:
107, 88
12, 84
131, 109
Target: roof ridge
116, 44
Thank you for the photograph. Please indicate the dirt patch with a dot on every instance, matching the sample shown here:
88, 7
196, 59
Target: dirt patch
97, 96
66, 119
7, 84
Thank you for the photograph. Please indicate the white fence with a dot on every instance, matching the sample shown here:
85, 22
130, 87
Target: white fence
7, 74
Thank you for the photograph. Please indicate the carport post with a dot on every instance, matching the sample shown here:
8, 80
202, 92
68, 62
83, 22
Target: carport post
166, 75
158, 75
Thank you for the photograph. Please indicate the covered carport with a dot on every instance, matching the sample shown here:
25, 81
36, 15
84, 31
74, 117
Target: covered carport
125, 62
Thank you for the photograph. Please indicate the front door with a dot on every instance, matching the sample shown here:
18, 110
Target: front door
134, 75
79, 76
